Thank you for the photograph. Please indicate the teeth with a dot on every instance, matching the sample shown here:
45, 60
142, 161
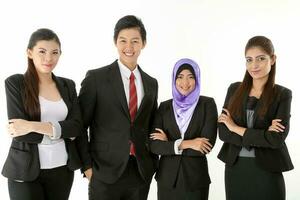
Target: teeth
129, 54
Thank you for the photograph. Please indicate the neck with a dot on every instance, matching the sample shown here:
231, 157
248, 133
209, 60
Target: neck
259, 84
130, 66
45, 78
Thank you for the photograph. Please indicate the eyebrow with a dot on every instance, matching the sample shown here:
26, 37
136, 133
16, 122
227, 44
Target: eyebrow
135, 38
256, 56
41, 48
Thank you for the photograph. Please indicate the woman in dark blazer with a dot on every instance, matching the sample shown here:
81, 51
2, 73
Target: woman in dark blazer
44, 119
254, 125
186, 129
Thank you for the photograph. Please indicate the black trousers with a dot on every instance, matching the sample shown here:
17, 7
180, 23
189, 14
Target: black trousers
130, 186
247, 181
51, 184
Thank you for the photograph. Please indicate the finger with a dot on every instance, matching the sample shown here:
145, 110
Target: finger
207, 147
226, 111
280, 125
206, 150
207, 143
278, 129
276, 120
272, 129
200, 149
158, 129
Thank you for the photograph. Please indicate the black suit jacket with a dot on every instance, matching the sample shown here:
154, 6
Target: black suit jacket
22, 162
106, 115
270, 149
193, 164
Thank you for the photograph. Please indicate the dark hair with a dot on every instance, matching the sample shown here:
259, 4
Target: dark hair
31, 79
266, 45
130, 21
185, 67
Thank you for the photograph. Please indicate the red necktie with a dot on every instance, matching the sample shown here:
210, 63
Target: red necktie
132, 106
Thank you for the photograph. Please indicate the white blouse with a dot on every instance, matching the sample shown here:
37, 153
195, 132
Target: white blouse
52, 150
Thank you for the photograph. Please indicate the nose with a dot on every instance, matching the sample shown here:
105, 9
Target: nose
185, 82
48, 57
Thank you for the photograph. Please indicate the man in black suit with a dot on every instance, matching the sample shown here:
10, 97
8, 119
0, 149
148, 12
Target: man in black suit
118, 103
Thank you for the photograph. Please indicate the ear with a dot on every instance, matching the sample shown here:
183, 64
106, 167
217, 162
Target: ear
29, 53
144, 44
273, 60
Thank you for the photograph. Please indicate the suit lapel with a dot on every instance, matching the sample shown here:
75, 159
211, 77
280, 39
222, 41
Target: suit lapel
117, 83
174, 124
146, 87
63, 90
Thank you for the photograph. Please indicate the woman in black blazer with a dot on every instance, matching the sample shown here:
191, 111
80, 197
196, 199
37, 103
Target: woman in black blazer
44, 119
254, 125
185, 131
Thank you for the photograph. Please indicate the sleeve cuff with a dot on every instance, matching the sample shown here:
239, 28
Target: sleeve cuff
176, 147
56, 130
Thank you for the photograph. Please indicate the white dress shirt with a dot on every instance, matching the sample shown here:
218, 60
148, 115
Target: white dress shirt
125, 74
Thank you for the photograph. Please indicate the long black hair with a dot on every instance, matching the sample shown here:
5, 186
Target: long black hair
31, 79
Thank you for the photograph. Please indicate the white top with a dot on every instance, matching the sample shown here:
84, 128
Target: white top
52, 150
125, 74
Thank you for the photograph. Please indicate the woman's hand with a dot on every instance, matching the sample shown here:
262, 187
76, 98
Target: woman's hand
160, 135
231, 125
198, 144
18, 127
276, 126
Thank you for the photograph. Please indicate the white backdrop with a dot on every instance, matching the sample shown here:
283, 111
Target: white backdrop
211, 32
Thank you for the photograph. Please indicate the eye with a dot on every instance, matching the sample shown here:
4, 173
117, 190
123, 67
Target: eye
122, 41
135, 41
262, 58
42, 51
179, 77
191, 77
248, 60
55, 52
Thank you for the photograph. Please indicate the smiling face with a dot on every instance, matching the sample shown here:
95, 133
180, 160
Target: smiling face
259, 63
129, 44
185, 82
45, 55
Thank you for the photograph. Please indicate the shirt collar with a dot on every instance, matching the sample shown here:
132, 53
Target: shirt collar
125, 71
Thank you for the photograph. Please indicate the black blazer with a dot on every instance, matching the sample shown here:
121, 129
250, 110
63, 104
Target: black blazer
106, 115
192, 164
271, 152
22, 162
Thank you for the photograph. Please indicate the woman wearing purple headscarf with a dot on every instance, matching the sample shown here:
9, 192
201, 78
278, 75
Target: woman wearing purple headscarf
185, 130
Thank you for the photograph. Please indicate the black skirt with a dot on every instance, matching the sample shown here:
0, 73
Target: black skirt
247, 181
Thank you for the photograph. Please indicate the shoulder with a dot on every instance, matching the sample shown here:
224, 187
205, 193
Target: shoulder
102, 70
15, 77
165, 104
234, 86
147, 76
15, 80
65, 81
206, 99
283, 92
207, 102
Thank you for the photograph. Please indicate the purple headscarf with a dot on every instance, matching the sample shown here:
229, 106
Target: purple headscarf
184, 106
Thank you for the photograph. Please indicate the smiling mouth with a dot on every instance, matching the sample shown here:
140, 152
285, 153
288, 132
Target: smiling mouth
129, 54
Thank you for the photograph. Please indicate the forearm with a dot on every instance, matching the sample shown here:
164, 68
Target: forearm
44, 128
238, 130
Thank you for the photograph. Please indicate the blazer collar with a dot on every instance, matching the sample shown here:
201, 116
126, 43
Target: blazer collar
63, 90
117, 83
